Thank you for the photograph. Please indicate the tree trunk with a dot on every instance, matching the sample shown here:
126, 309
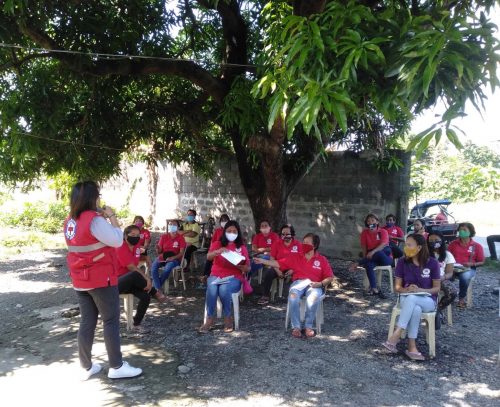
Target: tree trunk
152, 187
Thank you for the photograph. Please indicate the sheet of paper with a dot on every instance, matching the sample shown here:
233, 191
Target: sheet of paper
233, 257
417, 293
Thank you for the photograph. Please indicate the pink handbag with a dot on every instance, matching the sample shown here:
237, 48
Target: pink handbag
247, 288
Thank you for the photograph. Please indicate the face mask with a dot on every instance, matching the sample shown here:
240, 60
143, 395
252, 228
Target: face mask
286, 238
190, 218
231, 236
373, 226
390, 224
133, 240
265, 230
463, 233
223, 224
139, 224
306, 248
436, 244
410, 252
172, 228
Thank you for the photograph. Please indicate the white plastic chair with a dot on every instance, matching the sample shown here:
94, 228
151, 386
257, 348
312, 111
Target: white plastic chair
319, 318
430, 328
379, 270
175, 276
235, 297
128, 306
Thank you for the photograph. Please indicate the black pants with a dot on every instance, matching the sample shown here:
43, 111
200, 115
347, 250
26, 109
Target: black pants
268, 275
134, 283
491, 245
396, 251
189, 252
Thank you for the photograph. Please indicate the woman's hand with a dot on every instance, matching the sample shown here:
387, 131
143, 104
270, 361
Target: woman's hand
413, 288
289, 273
316, 285
279, 273
369, 255
258, 260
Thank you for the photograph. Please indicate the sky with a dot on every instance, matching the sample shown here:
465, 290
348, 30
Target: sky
480, 128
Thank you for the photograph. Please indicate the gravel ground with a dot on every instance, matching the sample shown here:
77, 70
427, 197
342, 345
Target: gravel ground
259, 365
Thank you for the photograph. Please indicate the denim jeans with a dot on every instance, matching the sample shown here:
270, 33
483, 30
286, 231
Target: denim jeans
464, 281
222, 291
158, 279
380, 258
104, 301
412, 307
312, 295
254, 267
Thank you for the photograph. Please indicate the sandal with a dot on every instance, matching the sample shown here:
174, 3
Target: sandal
391, 347
263, 301
414, 355
309, 333
461, 304
296, 333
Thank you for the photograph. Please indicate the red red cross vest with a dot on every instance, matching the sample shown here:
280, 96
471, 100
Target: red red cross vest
91, 263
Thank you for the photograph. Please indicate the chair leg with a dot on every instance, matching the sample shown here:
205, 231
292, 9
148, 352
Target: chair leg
392, 324
128, 306
469, 294
449, 317
183, 279
273, 289
280, 287
287, 315
391, 280
432, 336
379, 279
236, 310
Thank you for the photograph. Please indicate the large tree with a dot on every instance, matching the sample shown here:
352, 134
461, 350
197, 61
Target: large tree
272, 83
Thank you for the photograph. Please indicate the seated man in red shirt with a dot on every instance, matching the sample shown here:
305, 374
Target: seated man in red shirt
376, 252
170, 249
396, 235
131, 279
311, 274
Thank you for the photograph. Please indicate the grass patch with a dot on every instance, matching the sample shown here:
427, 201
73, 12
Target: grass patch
15, 241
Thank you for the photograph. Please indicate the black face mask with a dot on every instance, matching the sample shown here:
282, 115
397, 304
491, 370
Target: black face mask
133, 240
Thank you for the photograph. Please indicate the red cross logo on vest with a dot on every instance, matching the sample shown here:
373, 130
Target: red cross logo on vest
70, 231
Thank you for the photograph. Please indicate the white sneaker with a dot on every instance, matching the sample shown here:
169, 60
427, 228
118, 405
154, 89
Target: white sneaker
94, 369
124, 371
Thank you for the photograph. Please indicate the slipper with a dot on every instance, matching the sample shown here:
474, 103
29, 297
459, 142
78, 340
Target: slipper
309, 333
296, 333
414, 355
391, 347
263, 301
462, 304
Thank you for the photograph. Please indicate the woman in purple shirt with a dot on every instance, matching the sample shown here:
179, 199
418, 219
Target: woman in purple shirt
418, 282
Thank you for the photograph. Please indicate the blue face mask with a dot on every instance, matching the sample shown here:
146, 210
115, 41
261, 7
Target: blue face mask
172, 228
373, 226
190, 218
390, 224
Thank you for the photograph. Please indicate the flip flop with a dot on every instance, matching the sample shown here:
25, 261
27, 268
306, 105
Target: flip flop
391, 347
414, 355
309, 333
263, 301
296, 333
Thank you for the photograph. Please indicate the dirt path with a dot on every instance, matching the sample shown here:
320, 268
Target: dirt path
260, 365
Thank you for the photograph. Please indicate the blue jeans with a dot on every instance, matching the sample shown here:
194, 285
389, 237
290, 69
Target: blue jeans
254, 267
412, 307
312, 295
224, 292
158, 279
380, 258
464, 281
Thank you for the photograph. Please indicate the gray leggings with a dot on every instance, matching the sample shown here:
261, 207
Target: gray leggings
412, 307
104, 301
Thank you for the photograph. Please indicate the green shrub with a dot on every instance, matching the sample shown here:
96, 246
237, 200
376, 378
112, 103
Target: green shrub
37, 216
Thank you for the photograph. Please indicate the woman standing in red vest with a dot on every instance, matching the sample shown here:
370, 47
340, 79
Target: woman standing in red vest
91, 241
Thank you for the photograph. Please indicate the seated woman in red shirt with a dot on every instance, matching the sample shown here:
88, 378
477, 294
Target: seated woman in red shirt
311, 274
170, 249
419, 228
226, 278
376, 252
469, 254
144, 241
224, 218
284, 247
131, 279
396, 235
261, 244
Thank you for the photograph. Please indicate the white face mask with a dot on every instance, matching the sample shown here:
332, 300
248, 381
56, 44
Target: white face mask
223, 224
231, 236
172, 228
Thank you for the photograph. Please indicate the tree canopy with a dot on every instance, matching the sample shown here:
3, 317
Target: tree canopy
272, 83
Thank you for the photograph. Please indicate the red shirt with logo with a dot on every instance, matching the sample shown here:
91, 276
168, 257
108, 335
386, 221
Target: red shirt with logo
372, 239
280, 250
471, 252
316, 269
172, 244
223, 268
263, 242
144, 235
394, 231
125, 257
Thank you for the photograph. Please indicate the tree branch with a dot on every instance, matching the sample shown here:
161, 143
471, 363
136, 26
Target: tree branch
185, 69
16, 63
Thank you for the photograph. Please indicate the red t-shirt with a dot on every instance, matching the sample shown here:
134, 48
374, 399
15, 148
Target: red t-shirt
262, 241
280, 250
372, 239
173, 244
217, 234
125, 257
316, 269
394, 231
145, 235
223, 268
463, 253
